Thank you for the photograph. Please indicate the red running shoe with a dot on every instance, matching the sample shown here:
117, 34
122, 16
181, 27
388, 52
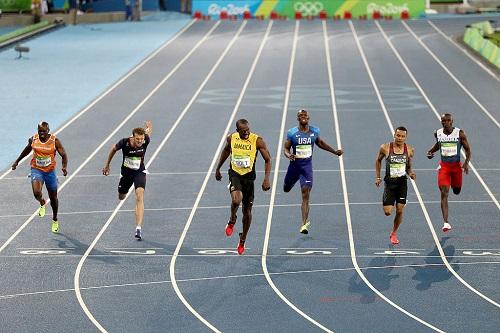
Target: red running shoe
394, 238
229, 228
241, 246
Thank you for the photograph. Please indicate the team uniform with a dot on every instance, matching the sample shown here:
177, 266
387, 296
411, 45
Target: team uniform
43, 162
396, 187
242, 167
450, 168
302, 147
133, 170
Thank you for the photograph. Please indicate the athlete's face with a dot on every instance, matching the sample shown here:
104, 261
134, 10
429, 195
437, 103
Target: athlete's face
243, 130
138, 140
400, 137
43, 132
303, 118
447, 123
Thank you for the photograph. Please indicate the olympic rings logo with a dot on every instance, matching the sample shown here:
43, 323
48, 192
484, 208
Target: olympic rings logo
308, 8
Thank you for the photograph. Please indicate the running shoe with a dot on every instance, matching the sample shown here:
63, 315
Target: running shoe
304, 229
446, 227
138, 234
229, 228
394, 238
41, 210
241, 245
55, 226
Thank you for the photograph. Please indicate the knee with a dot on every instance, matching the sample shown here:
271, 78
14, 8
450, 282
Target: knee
456, 190
236, 201
387, 210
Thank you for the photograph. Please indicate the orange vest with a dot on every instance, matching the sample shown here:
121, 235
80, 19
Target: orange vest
44, 153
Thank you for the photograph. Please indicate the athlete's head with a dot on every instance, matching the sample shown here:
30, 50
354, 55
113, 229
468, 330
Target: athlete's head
303, 117
400, 135
243, 128
447, 121
138, 136
43, 130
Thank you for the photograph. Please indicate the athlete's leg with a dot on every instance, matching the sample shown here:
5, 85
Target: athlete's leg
37, 181
247, 219
139, 206
399, 217
54, 203
388, 210
444, 201
291, 177
306, 190
236, 197
456, 180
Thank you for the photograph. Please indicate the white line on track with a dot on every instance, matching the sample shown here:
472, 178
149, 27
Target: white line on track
344, 187
417, 192
113, 87
36, 293
275, 184
105, 141
174, 126
457, 81
207, 177
467, 53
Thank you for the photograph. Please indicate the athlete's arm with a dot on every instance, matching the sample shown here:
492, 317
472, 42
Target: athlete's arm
465, 144
409, 169
23, 154
112, 152
224, 154
435, 148
323, 145
382, 153
60, 149
261, 146
287, 151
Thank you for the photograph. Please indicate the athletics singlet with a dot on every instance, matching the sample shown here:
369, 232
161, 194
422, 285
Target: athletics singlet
449, 145
44, 153
243, 153
303, 142
395, 164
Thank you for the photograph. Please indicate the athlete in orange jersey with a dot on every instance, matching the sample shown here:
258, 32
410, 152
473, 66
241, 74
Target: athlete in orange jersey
43, 164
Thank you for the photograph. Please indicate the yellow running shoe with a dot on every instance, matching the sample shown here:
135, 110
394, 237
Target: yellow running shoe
55, 226
41, 211
304, 229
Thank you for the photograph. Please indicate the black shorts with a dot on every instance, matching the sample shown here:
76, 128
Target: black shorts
395, 193
126, 181
243, 184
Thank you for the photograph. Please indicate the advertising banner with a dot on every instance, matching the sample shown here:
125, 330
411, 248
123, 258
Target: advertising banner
15, 5
310, 7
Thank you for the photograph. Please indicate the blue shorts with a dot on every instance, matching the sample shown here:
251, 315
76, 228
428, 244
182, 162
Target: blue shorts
302, 170
49, 178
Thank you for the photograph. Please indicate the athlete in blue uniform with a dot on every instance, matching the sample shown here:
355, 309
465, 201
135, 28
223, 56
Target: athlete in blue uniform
299, 148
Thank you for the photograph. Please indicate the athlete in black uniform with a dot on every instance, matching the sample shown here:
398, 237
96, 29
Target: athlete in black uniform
397, 155
133, 170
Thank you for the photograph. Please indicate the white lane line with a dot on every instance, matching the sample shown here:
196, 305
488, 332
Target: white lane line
417, 192
275, 184
174, 126
457, 81
344, 188
465, 51
150, 283
110, 89
105, 141
189, 173
207, 177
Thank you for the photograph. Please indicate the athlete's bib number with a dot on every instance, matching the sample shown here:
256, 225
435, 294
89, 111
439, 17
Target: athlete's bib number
449, 149
43, 161
303, 151
133, 163
397, 170
241, 161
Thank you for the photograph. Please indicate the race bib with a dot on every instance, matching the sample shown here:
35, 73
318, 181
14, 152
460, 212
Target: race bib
133, 163
303, 151
397, 170
449, 149
43, 161
241, 161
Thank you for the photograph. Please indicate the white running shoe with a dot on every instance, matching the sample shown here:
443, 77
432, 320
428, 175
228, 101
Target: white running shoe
446, 227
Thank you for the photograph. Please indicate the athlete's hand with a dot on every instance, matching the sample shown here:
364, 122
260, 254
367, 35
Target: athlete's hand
105, 170
291, 157
65, 172
218, 176
430, 154
378, 181
14, 165
466, 168
339, 152
265, 184
412, 175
